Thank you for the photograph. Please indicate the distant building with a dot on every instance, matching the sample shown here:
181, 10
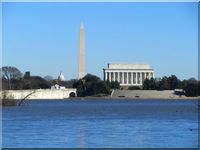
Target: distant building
61, 77
60, 82
128, 74
56, 86
27, 75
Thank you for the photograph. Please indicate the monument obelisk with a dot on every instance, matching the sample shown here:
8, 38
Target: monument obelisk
82, 53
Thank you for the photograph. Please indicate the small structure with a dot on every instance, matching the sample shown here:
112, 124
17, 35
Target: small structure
27, 75
56, 86
128, 74
179, 92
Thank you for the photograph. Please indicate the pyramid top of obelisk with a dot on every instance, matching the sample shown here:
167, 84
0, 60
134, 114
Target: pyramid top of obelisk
82, 25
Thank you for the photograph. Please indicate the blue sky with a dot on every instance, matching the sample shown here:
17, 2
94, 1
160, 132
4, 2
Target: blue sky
44, 37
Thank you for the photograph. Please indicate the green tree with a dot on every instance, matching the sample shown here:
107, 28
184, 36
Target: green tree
164, 84
191, 87
35, 82
173, 82
91, 85
149, 84
114, 85
91, 78
146, 84
198, 88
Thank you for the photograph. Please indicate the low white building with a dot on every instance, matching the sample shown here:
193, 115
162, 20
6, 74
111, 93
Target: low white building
56, 86
128, 74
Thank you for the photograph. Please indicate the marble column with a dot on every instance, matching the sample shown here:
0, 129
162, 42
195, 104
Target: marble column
122, 77
126, 77
136, 80
110, 76
118, 78
106, 77
131, 78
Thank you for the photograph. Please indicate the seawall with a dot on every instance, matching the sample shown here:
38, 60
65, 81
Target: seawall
37, 94
146, 94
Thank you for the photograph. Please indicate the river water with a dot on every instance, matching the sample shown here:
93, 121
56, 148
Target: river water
101, 123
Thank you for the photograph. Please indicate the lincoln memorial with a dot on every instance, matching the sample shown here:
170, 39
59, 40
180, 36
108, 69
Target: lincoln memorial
128, 74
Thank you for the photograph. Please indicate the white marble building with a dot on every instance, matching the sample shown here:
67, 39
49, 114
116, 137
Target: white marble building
128, 74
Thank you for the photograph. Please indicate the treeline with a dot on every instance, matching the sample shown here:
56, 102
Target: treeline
91, 85
191, 87
13, 79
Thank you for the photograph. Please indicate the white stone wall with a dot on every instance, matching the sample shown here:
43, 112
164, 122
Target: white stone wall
147, 94
38, 94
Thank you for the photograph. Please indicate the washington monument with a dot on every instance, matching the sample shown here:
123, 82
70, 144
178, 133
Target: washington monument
82, 53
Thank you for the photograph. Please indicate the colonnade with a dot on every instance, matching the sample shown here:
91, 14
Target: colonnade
127, 77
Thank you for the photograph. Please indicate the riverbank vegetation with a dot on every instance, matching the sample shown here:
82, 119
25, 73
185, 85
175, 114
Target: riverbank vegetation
13, 79
7, 101
91, 85
191, 87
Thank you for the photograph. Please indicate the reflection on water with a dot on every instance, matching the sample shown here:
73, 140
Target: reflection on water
82, 134
101, 123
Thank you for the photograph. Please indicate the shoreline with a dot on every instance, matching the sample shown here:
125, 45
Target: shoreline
49, 94
111, 98
136, 98
14, 102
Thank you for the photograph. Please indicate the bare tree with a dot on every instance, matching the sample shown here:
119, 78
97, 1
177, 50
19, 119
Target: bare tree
48, 78
10, 73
